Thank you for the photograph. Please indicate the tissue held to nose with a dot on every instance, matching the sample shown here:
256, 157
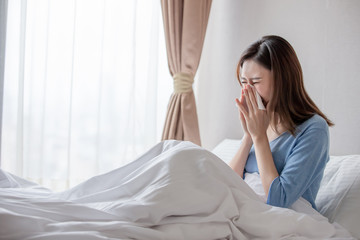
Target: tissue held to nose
259, 101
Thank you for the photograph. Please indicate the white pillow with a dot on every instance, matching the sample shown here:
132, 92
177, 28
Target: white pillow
338, 198
227, 149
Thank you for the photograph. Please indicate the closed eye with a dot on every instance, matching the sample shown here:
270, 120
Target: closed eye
253, 80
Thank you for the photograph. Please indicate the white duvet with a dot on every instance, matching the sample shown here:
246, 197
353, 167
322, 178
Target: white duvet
176, 190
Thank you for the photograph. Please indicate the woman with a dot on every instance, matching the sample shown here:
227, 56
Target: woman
288, 142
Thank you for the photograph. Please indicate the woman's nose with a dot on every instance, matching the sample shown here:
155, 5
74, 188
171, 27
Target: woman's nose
246, 84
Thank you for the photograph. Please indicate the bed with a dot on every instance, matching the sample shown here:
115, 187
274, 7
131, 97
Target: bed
178, 190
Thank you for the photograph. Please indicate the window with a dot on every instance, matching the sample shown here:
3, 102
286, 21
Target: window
86, 87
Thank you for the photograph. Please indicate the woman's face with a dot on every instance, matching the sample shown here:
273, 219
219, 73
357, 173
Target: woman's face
261, 78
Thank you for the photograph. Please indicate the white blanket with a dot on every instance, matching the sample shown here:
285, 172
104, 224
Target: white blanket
176, 190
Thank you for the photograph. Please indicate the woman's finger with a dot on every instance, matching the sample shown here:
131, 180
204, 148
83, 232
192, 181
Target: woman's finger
243, 111
242, 99
252, 97
237, 102
248, 100
243, 121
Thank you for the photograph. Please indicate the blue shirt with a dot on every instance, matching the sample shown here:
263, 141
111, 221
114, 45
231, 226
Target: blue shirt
300, 161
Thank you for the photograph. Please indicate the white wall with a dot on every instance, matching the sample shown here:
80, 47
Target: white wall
326, 37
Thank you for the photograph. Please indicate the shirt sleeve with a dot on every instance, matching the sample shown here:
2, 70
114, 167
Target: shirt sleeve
305, 162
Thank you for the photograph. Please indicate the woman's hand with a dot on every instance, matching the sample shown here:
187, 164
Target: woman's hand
255, 120
239, 103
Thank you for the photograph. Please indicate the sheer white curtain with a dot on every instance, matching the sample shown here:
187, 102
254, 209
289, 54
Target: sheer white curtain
86, 87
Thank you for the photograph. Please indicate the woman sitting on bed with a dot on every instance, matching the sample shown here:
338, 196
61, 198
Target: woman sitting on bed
288, 142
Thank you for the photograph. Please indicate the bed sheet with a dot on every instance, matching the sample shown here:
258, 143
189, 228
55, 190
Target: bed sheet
176, 190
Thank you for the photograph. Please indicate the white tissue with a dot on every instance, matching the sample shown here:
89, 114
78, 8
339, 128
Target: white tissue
259, 101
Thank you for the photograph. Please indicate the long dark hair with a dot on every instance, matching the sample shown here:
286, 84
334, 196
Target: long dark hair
289, 99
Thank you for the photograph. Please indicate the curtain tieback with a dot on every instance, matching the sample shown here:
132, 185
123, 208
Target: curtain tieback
183, 82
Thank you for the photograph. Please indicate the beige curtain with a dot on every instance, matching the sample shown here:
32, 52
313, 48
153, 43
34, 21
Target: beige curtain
185, 24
